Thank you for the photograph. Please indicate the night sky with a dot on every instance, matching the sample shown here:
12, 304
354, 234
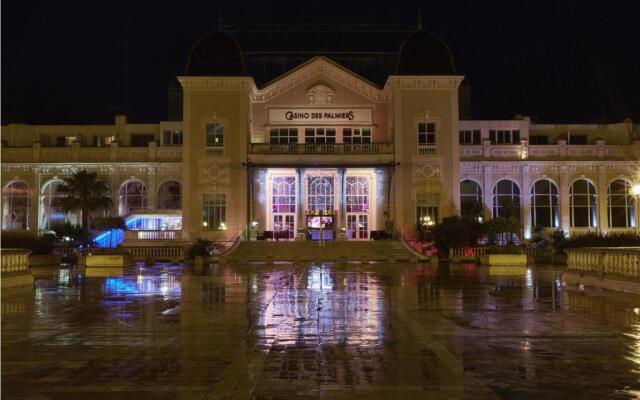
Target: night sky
85, 61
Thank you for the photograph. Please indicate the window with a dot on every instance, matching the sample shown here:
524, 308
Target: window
356, 135
621, 204
215, 135
320, 193
506, 199
357, 194
52, 211
470, 198
426, 134
172, 138
214, 211
101, 141
16, 206
504, 136
577, 139
320, 135
469, 136
170, 196
141, 140
283, 136
538, 139
583, 204
61, 141
427, 205
544, 204
132, 197
283, 191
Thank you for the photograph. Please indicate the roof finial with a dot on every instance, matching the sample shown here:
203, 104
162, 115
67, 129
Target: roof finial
419, 20
220, 19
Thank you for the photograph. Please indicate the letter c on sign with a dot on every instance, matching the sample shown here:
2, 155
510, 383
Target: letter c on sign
288, 115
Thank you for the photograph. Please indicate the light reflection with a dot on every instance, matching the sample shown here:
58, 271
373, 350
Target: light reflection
142, 285
321, 306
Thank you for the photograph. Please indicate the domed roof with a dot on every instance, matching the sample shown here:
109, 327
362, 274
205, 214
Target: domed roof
424, 53
216, 54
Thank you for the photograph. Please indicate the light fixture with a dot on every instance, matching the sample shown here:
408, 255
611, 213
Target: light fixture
635, 189
205, 224
223, 226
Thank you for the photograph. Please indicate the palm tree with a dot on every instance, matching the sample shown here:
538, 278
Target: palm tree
87, 193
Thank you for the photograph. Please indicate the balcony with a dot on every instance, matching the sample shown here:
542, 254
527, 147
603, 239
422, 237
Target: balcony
426, 150
330, 149
152, 235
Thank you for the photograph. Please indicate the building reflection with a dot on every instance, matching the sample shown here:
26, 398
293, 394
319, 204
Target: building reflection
321, 306
165, 283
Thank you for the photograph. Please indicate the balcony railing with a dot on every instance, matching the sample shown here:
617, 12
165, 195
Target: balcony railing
426, 150
214, 151
332, 148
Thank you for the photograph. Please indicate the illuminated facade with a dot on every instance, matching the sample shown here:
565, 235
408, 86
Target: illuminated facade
318, 151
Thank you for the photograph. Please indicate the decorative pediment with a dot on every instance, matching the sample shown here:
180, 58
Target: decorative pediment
320, 69
320, 94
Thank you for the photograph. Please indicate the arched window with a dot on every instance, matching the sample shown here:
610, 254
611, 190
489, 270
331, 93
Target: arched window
320, 193
132, 197
583, 204
357, 194
621, 205
470, 198
506, 199
170, 196
283, 192
52, 212
544, 204
16, 206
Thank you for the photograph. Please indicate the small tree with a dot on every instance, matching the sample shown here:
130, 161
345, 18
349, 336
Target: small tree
456, 231
86, 193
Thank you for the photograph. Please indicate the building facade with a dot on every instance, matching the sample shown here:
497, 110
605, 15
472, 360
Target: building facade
318, 151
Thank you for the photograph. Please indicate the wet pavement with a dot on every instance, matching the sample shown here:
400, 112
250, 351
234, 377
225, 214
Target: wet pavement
312, 331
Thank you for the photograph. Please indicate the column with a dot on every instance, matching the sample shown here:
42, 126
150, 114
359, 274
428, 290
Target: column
565, 220
525, 196
300, 212
342, 219
602, 183
487, 190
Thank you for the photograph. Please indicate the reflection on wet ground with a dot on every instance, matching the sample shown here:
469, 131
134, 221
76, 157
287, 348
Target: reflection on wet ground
329, 331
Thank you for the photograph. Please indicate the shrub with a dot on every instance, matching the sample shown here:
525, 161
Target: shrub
613, 239
39, 245
456, 231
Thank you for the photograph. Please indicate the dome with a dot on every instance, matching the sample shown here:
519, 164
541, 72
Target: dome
424, 53
216, 54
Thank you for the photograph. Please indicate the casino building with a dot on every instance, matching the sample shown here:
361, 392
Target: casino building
318, 137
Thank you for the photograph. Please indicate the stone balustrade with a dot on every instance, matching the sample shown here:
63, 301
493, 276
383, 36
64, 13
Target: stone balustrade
15, 267
561, 150
153, 234
327, 148
38, 153
15, 260
621, 261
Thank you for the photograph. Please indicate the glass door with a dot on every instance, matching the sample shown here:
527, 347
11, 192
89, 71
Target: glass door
357, 226
284, 226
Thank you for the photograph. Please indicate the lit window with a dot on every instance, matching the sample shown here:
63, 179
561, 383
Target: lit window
470, 198
427, 208
544, 204
506, 200
320, 194
132, 197
583, 204
214, 211
621, 205
16, 206
215, 135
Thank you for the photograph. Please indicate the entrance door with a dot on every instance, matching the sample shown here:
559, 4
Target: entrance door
284, 226
357, 226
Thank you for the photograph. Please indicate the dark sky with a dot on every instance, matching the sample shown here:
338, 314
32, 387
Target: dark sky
84, 61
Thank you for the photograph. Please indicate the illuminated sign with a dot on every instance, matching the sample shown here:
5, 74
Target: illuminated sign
320, 116
327, 213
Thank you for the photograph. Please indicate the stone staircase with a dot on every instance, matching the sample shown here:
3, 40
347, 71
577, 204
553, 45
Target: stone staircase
265, 251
